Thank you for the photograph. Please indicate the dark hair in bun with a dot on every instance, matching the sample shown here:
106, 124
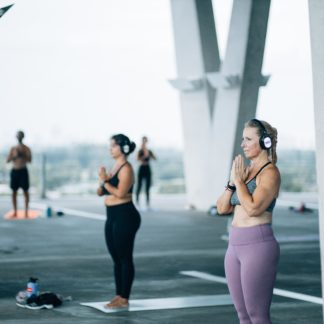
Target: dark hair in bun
126, 146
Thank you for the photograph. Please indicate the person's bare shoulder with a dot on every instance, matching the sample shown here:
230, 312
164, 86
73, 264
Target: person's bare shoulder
270, 174
26, 147
274, 169
127, 169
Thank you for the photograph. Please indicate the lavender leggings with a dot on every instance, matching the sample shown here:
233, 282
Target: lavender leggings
251, 265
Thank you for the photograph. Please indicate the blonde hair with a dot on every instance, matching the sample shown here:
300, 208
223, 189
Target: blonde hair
272, 132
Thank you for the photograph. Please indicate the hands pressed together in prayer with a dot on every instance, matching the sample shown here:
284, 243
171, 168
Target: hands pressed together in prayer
103, 175
240, 171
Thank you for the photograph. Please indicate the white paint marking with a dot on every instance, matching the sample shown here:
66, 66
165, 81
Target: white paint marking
79, 213
298, 238
205, 276
71, 212
278, 292
291, 294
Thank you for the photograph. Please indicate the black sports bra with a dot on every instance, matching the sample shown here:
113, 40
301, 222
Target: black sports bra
146, 158
114, 181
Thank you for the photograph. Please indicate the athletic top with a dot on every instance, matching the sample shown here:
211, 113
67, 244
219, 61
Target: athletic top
146, 158
251, 185
114, 182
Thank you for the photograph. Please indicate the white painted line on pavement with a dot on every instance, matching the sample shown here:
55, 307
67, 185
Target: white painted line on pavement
278, 292
71, 212
291, 294
205, 276
80, 213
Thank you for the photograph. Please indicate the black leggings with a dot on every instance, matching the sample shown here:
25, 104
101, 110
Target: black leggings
121, 226
144, 172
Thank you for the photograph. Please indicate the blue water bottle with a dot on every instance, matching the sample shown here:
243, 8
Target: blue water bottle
32, 287
49, 211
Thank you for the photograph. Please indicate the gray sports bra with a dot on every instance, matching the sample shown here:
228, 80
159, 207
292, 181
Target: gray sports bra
251, 185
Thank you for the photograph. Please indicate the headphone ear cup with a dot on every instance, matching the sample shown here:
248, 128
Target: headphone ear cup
265, 142
125, 149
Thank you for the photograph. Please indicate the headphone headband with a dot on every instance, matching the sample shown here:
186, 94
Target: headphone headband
260, 124
265, 139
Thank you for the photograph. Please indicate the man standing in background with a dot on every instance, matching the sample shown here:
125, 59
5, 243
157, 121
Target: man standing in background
19, 155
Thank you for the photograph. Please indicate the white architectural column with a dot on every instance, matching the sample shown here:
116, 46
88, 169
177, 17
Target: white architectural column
237, 101
316, 18
196, 54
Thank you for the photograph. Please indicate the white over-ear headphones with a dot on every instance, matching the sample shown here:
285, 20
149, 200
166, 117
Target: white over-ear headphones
125, 148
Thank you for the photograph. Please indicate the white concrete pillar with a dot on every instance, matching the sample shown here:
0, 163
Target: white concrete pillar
196, 54
316, 18
241, 69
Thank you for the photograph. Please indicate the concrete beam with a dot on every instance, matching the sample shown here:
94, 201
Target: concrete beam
190, 84
3, 10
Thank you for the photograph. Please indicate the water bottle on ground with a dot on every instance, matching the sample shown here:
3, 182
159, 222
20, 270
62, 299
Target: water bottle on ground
32, 287
49, 211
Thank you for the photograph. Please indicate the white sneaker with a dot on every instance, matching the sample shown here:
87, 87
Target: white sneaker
21, 305
35, 306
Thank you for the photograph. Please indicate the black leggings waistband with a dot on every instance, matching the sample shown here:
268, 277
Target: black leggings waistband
123, 211
121, 206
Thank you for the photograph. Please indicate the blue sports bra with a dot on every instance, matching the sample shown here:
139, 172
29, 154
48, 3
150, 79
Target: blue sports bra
114, 181
251, 185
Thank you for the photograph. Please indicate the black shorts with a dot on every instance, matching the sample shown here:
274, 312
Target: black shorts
19, 179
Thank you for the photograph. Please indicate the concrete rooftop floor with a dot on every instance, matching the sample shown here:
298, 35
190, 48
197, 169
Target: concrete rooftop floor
69, 256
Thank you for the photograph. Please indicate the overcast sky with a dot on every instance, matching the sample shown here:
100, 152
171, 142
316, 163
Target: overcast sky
77, 71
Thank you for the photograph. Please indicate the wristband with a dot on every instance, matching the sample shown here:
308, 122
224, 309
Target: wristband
229, 187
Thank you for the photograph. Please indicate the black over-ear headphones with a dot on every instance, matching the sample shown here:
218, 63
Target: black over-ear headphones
265, 139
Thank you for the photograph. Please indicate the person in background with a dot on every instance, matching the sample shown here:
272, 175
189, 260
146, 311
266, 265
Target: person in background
20, 155
144, 171
252, 256
123, 219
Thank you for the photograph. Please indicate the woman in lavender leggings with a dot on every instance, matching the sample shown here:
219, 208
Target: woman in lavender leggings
253, 253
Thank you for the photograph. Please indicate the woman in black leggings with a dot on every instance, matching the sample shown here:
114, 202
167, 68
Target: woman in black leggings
123, 219
144, 172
